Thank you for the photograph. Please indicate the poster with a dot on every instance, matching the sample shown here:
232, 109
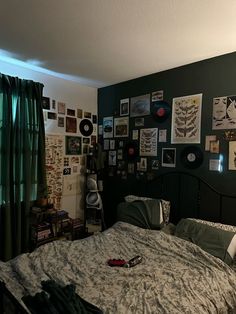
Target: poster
224, 113
186, 119
232, 155
140, 106
168, 157
124, 107
108, 127
121, 127
148, 142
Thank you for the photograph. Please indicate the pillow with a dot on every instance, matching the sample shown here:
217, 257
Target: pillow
165, 205
145, 214
215, 224
217, 242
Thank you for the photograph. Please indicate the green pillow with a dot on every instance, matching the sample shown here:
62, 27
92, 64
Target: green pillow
212, 240
145, 214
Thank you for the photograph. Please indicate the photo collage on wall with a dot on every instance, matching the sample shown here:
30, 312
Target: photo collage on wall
66, 152
141, 151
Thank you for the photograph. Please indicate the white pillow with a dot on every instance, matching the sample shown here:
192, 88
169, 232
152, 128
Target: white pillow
164, 204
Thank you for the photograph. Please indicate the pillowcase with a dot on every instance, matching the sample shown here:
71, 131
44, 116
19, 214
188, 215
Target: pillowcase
165, 205
215, 224
215, 241
145, 214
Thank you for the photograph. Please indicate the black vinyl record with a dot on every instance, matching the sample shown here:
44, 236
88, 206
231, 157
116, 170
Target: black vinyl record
191, 157
160, 110
86, 127
131, 150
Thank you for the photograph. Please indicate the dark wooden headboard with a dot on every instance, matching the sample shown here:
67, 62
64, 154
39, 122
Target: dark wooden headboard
190, 196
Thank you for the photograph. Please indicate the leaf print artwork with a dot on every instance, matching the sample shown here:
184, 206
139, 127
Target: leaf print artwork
186, 119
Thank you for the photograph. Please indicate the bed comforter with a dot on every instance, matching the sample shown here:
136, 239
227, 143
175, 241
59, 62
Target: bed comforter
175, 276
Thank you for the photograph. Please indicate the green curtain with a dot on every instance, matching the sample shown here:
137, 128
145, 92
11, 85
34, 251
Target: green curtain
22, 161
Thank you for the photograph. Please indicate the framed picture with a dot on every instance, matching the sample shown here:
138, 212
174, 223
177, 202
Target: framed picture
107, 127
140, 106
61, 107
148, 142
139, 122
186, 119
73, 145
71, 112
71, 125
232, 155
124, 107
168, 157
46, 103
121, 127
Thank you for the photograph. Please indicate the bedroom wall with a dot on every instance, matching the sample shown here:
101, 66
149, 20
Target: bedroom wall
74, 96
213, 77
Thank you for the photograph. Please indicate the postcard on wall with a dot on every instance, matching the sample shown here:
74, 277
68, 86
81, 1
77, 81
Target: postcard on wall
139, 122
71, 125
60, 122
71, 112
232, 155
186, 119
135, 135
112, 144
215, 165
106, 144
208, 139
162, 136
215, 147
124, 107
112, 158
121, 127
61, 107
71, 185
224, 113
140, 106
87, 115
168, 157
107, 127
155, 164
79, 113
148, 142
158, 95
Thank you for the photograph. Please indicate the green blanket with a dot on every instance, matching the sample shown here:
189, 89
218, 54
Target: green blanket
144, 214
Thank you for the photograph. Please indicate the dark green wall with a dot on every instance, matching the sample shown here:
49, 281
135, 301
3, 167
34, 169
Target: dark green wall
212, 77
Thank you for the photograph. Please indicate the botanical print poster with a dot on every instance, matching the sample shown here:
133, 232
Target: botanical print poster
148, 142
232, 155
224, 113
186, 119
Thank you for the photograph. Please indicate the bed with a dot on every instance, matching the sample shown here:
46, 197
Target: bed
175, 276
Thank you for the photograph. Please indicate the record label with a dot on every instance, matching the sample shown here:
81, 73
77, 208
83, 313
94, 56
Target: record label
86, 127
191, 157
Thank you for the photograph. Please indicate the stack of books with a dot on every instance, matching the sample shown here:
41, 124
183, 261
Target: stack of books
42, 231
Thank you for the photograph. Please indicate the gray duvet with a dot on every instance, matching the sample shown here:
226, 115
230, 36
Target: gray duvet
175, 276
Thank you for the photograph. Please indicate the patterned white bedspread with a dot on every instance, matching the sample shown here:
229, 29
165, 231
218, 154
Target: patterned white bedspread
175, 276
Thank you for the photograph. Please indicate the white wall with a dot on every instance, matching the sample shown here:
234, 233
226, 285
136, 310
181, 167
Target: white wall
74, 95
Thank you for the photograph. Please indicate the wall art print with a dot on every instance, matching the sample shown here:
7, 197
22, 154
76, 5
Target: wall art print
148, 142
224, 113
54, 167
121, 127
168, 157
140, 105
107, 127
124, 107
186, 119
73, 145
232, 155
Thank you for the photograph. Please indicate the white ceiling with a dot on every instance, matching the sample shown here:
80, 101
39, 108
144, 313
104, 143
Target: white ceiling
102, 42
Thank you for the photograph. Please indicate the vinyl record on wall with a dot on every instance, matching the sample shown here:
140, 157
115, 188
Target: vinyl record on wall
160, 110
86, 127
131, 150
191, 157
